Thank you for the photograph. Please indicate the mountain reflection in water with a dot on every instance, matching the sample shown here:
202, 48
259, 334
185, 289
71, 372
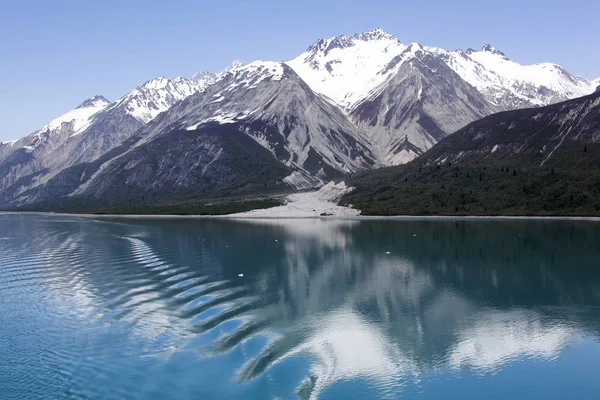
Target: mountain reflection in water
321, 302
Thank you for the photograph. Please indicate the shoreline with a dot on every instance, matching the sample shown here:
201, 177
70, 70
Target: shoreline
330, 217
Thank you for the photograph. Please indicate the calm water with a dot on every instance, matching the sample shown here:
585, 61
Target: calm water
155, 309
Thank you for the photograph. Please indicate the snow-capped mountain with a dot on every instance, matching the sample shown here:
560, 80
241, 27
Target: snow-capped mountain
361, 73
258, 127
74, 122
59, 129
90, 130
347, 103
511, 85
347, 68
157, 95
268, 102
34, 152
281, 112
80, 118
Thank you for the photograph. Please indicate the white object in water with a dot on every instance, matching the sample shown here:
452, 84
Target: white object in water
241, 275
388, 252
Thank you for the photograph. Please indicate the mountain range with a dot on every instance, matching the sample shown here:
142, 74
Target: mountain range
345, 105
535, 161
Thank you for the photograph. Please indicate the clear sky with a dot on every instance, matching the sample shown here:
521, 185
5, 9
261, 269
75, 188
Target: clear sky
56, 53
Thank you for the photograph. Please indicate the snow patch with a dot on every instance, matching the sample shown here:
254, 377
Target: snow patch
250, 75
80, 118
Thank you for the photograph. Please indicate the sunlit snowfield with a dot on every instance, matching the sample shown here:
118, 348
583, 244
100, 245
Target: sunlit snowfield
328, 309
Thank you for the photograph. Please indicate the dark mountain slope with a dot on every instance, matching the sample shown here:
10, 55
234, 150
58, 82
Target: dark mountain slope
543, 161
214, 161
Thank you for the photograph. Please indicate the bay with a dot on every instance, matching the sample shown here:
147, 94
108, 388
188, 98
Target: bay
95, 308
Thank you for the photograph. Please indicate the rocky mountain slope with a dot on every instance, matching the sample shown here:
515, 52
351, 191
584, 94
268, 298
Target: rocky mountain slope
261, 111
538, 161
421, 102
271, 104
88, 132
387, 87
534, 137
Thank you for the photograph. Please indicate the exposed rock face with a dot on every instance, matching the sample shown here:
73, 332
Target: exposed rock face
265, 106
421, 102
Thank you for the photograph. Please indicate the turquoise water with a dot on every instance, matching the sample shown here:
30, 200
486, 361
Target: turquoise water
328, 309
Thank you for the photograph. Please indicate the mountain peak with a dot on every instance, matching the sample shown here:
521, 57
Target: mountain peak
375, 34
326, 45
202, 76
488, 48
411, 51
414, 47
157, 83
344, 41
237, 64
94, 101
272, 69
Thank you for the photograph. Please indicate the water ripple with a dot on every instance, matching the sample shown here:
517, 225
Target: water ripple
76, 288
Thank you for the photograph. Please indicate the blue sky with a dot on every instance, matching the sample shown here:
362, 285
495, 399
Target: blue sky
57, 53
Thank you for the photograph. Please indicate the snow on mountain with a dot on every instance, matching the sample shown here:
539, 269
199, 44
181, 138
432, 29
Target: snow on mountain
91, 130
144, 103
488, 82
540, 84
70, 124
157, 95
345, 104
80, 117
204, 76
348, 68
259, 127
33, 153
268, 103
345, 68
